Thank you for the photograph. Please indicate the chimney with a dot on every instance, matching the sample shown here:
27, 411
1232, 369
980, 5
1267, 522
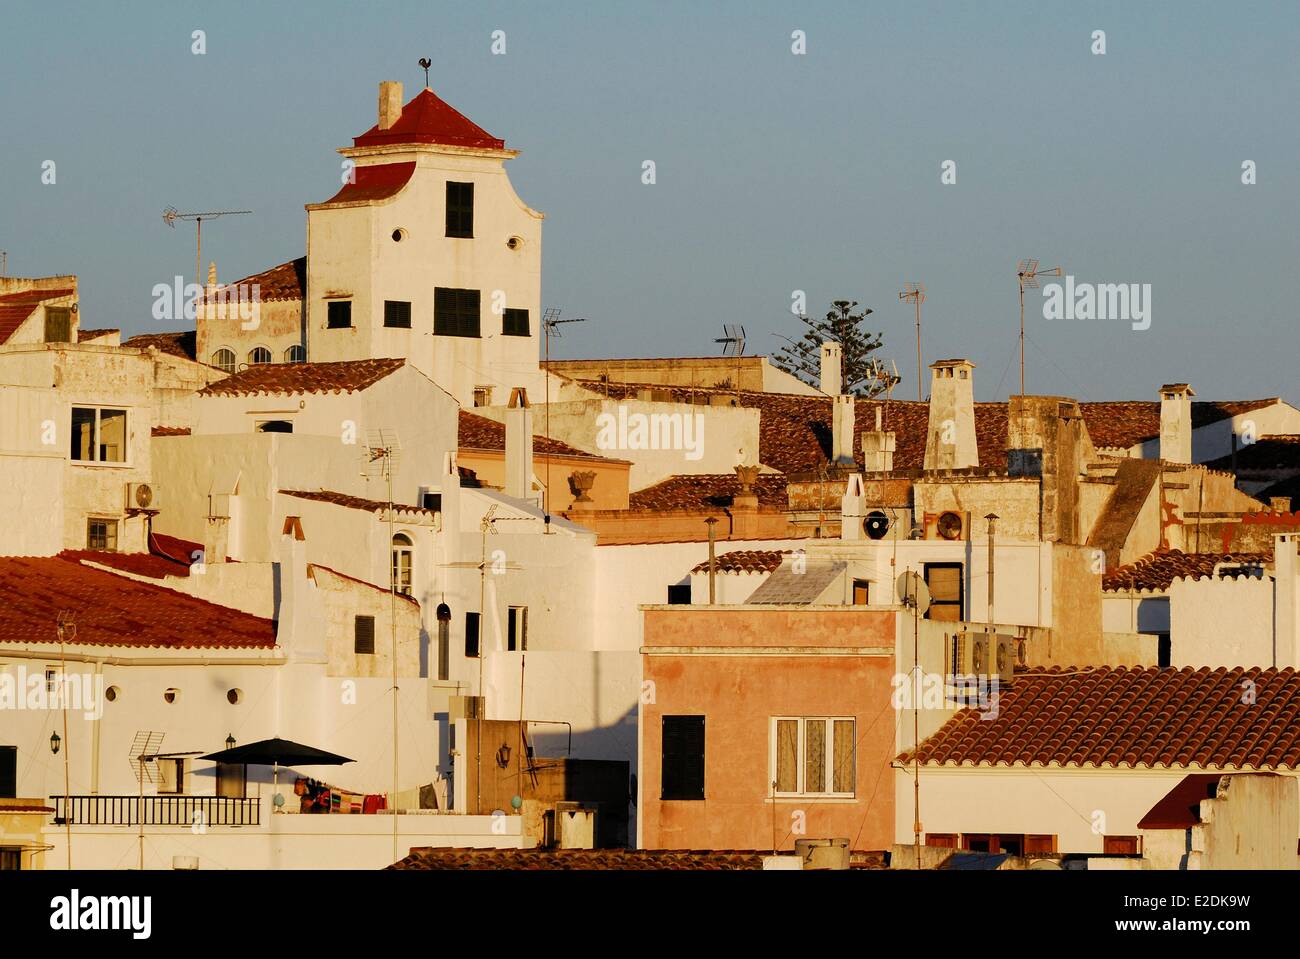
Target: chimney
390, 103
1279, 504
216, 536
1176, 423
832, 378
878, 448
842, 431
1286, 600
212, 274
950, 434
298, 627
519, 446
853, 506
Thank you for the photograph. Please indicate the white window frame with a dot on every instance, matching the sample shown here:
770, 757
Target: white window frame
395, 550
801, 790
125, 462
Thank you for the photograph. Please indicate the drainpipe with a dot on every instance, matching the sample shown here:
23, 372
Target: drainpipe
712, 522
94, 733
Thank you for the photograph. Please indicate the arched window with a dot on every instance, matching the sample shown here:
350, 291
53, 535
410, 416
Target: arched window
402, 556
259, 356
224, 360
295, 354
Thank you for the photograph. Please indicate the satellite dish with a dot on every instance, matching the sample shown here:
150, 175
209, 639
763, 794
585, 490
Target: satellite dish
912, 592
876, 525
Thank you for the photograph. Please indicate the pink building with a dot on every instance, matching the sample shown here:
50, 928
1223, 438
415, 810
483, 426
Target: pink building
761, 725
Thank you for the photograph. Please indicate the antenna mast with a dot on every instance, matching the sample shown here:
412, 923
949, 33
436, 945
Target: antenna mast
171, 215
915, 292
733, 344
1027, 274
551, 327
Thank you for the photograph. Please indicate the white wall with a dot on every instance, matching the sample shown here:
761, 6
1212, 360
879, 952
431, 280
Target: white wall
1223, 622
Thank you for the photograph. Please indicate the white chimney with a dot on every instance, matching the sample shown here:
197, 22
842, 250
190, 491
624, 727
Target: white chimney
842, 431
950, 434
1176, 423
390, 103
853, 507
878, 448
832, 378
1286, 599
519, 446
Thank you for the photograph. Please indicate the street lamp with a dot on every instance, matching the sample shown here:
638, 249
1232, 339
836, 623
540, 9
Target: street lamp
230, 741
55, 742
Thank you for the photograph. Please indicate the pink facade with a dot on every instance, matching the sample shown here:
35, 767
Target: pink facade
796, 696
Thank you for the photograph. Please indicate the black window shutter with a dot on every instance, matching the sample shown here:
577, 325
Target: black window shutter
682, 770
514, 322
460, 209
397, 313
364, 639
8, 771
455, 312
471, 634
339, 314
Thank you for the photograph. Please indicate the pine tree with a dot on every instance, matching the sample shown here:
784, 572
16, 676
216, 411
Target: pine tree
861, 374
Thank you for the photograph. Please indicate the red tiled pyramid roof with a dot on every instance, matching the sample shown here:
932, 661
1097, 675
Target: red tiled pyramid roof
429, 119
373, 183
1145, 718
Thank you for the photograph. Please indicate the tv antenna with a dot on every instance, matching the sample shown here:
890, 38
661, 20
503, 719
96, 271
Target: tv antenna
733, 344
915, 293
426, 63
551, 323
1027, 273
171, 215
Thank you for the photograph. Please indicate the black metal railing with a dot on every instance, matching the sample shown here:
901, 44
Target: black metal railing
156, 811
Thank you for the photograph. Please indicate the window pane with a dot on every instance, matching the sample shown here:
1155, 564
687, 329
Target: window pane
112, 436
83, 434
844, 749
814, 771
787, 755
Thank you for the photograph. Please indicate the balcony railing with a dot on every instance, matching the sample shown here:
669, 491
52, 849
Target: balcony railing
156, 811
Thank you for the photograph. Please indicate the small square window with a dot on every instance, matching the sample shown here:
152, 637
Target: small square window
98, 435
101, 534
397, 314
455, 312
483, 396
339, 314
514, 322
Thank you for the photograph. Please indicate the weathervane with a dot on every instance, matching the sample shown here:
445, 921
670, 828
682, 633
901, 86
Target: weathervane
426, 63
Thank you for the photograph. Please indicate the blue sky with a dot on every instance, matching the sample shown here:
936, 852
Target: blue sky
775, 172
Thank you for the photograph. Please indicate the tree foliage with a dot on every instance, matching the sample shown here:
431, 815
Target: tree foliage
861, 374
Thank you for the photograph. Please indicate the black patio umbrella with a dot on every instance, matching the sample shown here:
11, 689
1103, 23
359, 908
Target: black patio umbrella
276, 753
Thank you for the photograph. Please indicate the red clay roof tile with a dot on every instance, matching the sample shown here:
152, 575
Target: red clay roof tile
1157, 571
180, 344
374, 183
429, 119
746, 561
1236, 719
346, 376
476, 432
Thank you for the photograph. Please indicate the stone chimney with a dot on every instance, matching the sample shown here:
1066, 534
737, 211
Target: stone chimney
832, 378
519, 446
842, 431
1279, 504
950, 435
212, 274
1176, 423
878, 448
746, 498
390, 103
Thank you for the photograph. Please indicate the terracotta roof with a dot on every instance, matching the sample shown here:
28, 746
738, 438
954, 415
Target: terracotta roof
288, 281
476, 432
429, 119
1157, 571
175, 344
707, 491
347, 501
15, 308
169, 556
84, 335
1125, 423
169, 431
1181, 806
746, 561
111, 610
374, 183
1148, 718
346, 376
1134, 480
23, 805
1268, 453
569, 859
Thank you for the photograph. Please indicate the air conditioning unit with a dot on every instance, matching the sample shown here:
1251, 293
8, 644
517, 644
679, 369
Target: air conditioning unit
466, 707
887, 522
143, 496
952, 525
981, 656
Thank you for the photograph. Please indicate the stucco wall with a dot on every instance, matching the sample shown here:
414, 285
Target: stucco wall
1223, 622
